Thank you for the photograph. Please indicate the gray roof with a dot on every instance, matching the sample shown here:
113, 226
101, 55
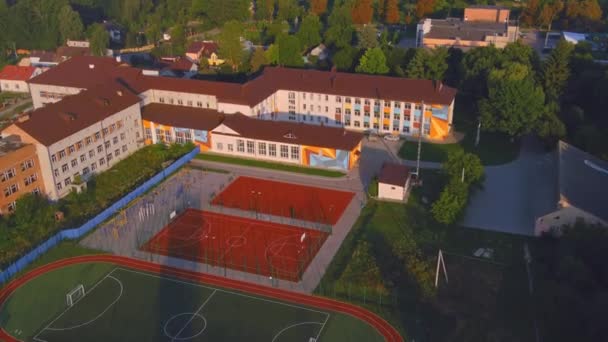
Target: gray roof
464, 30
583, 180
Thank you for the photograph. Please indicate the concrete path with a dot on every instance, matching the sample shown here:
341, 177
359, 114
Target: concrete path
514, 194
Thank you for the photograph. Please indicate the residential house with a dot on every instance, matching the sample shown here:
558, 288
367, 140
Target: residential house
13, 78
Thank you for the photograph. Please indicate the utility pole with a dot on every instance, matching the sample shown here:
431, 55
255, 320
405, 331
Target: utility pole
462, 178
419, 141
478, 132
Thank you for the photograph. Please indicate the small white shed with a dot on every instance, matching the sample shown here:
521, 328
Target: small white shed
393, 182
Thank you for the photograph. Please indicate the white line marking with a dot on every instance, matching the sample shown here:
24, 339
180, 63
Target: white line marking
322, 327
293, 326
225, 291
189, 337
194, 315
98, 316
69, 307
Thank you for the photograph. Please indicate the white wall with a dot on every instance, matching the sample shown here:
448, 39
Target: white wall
187, 99
389, 191
14, 86
231, 108
221, 143
58, 92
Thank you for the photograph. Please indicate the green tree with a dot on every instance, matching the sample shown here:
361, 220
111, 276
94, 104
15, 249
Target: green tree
70, 24
218, 12
288, 10
258, 59
344, 59
264, 9
309, 33
367, 37
512, 107
428, 65
272, 54
477, 65
99, 40
556, 70
459, 160
290, 51
373, 62
451, 203
229, 41
340, 27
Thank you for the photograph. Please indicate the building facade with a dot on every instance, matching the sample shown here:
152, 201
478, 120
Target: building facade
20, 172
13, 78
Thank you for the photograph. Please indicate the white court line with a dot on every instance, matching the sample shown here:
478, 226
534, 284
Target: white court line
194, 315
322, 327
221, 290
69, 307
293, 326
230, 246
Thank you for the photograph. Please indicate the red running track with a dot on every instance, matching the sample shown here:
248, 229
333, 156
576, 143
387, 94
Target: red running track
285, 199
383, 327
244, 244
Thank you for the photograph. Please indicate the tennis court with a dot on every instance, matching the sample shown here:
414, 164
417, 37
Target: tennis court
133, 300
285, 199
253, 246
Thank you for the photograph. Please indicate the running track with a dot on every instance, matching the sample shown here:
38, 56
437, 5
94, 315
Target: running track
383, 327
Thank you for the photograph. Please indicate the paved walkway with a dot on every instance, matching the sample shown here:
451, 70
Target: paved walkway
7, 110
514, 194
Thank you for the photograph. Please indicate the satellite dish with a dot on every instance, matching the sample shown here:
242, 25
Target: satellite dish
595, 166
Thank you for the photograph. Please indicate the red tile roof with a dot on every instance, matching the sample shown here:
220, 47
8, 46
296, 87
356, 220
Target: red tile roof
394, 174
195, 47
17, 73
57, 121
181, 64
182, 116
293, 133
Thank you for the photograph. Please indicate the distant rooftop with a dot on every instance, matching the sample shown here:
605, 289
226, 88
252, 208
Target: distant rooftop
453, 28
10, 144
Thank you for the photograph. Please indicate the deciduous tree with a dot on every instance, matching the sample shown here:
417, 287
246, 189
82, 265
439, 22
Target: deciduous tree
428, 65
288, 10
290, 51
99, 40
340, 30
309, 33
451, 203
264, 9
70, 25
392, 14
367, 37
556, 70
344, 58
230, 43
318, 7
373, 62
258, 59
362, 11
424, 7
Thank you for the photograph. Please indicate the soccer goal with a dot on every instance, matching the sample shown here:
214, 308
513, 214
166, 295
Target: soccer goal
75, 295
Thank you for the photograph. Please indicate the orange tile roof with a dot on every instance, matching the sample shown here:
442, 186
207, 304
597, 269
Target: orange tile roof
17, 73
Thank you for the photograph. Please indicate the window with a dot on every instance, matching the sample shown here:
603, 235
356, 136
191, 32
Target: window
338, 99
79, 145
189, 103
365, 124
180, 102
74, 162
250, 147
397, 105
30, 179
71, 149
396, 127
53, 158
56, 172
295, 153
338, 111
291, 95
347, 100
171, 100
385, 127
168, 137
347, 111
326, 97
418, 107
387, 115
116, 152
119, 124
36, 191
107, 144
83, 158
102, 161
61, 154
99, 149
284, 151
97, 136
85, 171
148, 133
230, 148
240, 146
91, 153
357, 123
161, 99
366, 113
219, 146
326, 109
406, 117
396, 116
28, 164
94, 166
366, 102
123, 136
357, 101
304, 96
124, 148
199, 104
67, 181
59, 186
13, 188
376, 126
109, 157
115, 140
357, 112
64, 168
272, 150
262, 148
406, 129
407, 106
88, 141
304, 106
105, 131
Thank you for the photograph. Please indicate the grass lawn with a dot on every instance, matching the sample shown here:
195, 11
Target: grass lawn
124, 304
387, 264
269, 165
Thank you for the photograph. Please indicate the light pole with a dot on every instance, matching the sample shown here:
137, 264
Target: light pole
478, 132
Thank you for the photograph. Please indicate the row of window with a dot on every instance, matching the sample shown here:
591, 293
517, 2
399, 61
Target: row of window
13, 188
89, 140
12, 172
180, 102
83, 158
286, 152
13, 205
88, 169
51, 95
367, 102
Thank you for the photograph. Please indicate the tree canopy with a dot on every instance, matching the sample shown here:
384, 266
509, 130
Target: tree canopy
373, 62
230, 43
309, 33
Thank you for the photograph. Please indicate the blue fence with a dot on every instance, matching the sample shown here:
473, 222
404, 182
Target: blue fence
77, 233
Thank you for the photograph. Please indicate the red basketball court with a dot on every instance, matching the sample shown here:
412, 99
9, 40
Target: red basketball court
285, 199
253, 246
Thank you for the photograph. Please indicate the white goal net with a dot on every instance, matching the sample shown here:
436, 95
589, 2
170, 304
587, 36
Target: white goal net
75, 295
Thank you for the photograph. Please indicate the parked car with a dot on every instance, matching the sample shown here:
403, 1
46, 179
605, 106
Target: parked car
391, 137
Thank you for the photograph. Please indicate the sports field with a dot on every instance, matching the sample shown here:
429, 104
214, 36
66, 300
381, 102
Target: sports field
285, 199
132, 300
253, 246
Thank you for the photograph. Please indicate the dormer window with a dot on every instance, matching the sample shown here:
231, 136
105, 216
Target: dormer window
290, 136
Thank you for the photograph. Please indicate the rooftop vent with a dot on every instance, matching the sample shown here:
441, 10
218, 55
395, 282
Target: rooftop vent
290, 135
68, 116
119, 92
91, 66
